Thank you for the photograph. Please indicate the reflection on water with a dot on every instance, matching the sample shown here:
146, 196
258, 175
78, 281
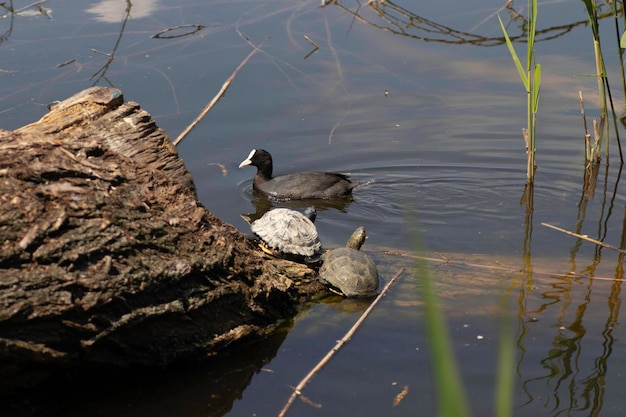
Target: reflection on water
109, 11
572, 371
206, 389
568, 374
571, 374
263, 204
401, 20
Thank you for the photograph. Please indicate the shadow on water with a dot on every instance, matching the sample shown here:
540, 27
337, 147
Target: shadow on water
199, 389
262, 204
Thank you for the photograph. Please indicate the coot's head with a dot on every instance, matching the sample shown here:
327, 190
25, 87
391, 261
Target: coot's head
261, 159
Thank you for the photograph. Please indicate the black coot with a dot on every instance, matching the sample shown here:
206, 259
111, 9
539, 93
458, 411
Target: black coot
297, 186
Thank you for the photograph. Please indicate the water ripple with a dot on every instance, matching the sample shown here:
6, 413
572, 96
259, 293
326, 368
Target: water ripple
460, 200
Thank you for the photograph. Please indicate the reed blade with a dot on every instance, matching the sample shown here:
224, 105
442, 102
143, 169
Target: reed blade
536, 87
518, 64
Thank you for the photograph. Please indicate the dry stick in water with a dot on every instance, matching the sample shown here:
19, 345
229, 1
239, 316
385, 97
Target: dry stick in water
316, 47
587, 135
312, 42
499, 267
218, 96
587, 238
297, 390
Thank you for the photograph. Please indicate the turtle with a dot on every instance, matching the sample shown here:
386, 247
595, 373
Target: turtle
348, 270
287, 233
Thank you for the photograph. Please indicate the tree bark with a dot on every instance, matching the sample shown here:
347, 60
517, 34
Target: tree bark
108, 257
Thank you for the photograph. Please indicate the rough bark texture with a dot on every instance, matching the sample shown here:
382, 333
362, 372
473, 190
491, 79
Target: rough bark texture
106, 255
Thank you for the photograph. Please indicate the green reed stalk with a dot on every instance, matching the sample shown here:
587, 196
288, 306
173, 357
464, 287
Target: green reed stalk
505, 376
449, 390
592, 14
601, 92
603, 85
531, 78
621, 46
616, 10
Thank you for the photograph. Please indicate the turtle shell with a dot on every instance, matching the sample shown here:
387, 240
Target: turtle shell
350, 271
287, 232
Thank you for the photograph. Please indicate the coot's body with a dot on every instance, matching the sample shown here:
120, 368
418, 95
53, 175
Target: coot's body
297, 186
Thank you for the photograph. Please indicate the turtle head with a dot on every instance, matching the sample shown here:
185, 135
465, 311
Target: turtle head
356, 239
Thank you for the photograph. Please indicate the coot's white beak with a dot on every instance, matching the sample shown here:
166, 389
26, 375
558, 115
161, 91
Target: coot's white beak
248, 160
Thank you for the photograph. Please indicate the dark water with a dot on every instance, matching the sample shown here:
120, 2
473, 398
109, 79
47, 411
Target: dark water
428, 116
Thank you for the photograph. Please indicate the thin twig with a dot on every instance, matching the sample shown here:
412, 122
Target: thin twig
37, 3
587, 238
582, 111
311, 41
217, 97
316, 47
614, 119
587, 134
597, 137
298, 389
526, 137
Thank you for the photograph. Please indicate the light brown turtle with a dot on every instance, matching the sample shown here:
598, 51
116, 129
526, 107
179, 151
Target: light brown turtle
289, 234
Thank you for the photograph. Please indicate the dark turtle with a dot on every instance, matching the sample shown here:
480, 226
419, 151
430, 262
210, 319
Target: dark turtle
351, 272
288, 233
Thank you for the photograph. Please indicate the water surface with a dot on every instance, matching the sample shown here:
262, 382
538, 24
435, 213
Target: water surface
429, 120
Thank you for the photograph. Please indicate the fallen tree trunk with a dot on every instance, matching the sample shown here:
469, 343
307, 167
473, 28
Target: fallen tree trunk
108, 257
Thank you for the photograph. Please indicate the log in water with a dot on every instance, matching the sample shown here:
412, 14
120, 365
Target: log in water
108, 257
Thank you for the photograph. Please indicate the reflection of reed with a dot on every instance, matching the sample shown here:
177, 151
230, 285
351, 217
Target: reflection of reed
590, 180
574, 376
527, 202
589, 187
388, 16
573, 380
612, 201
525, 283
